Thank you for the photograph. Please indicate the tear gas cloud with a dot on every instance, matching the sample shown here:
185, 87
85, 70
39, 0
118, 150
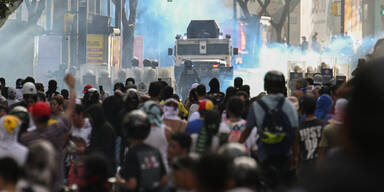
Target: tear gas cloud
159, 21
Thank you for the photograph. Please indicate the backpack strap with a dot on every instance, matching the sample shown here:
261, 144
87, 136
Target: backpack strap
263, 105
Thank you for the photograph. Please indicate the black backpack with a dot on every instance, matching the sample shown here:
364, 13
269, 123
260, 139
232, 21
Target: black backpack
276, 132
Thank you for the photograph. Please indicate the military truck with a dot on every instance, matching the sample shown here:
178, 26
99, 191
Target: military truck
209, 51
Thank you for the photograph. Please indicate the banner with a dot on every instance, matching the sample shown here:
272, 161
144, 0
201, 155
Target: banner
95, 49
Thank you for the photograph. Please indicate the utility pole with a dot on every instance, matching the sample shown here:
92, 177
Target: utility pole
109, 8
342, 17
82, 23
289, 23
234, 36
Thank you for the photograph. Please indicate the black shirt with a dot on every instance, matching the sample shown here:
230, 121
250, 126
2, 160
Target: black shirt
310, 135
144, 163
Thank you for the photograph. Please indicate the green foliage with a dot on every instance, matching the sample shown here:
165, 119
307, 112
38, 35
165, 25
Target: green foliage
4, 7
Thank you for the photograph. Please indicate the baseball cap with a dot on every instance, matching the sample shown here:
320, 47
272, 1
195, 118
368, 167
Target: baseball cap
205, 105
40, 109
29, 89
88, 86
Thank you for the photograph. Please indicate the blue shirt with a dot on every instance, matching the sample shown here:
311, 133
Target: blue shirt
194, 126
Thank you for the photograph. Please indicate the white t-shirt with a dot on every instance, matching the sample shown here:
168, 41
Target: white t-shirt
83, 132
11, 102
234, 129
158, 140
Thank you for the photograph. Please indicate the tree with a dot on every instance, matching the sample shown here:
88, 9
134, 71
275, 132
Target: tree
128, 28
35, 9
279, 18
129, 32
7, 7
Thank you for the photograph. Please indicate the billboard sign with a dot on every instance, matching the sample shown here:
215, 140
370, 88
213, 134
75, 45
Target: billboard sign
95, 49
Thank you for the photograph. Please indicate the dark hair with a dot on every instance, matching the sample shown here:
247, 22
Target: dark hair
40, 96
52, 85
231, 91
90, 98
95, 166
65, 93
59, 100
131, 101
193, 96
131, 80
2, 80
119, 86
213, 172
303, 82
242, 93
79, 109
214, 85
112, 105
308, 104
19, 83
43, 119
29, 79
211, 121
163, 83
325, 89
201, 90
136, 126
238, 82
274, 82
39, 87
9, 170
5, 108
175, 96
188, 162
235, 106
167, 92
246, 89
154, 89
183, 139
309, 80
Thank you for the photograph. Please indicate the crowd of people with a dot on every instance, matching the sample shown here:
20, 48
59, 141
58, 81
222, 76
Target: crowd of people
319, 137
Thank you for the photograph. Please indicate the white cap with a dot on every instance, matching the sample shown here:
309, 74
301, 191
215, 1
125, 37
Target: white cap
92, 90
29, 89
19, 109
194, 85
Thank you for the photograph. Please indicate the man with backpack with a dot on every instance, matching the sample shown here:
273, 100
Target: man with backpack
276, 120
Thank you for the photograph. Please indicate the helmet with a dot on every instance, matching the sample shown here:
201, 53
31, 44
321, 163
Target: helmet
155, 63
136, 125
131, 99
135, 62
29, 89
274, 81
233, 150
187, 64
245, 171
147, 63
22, 113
